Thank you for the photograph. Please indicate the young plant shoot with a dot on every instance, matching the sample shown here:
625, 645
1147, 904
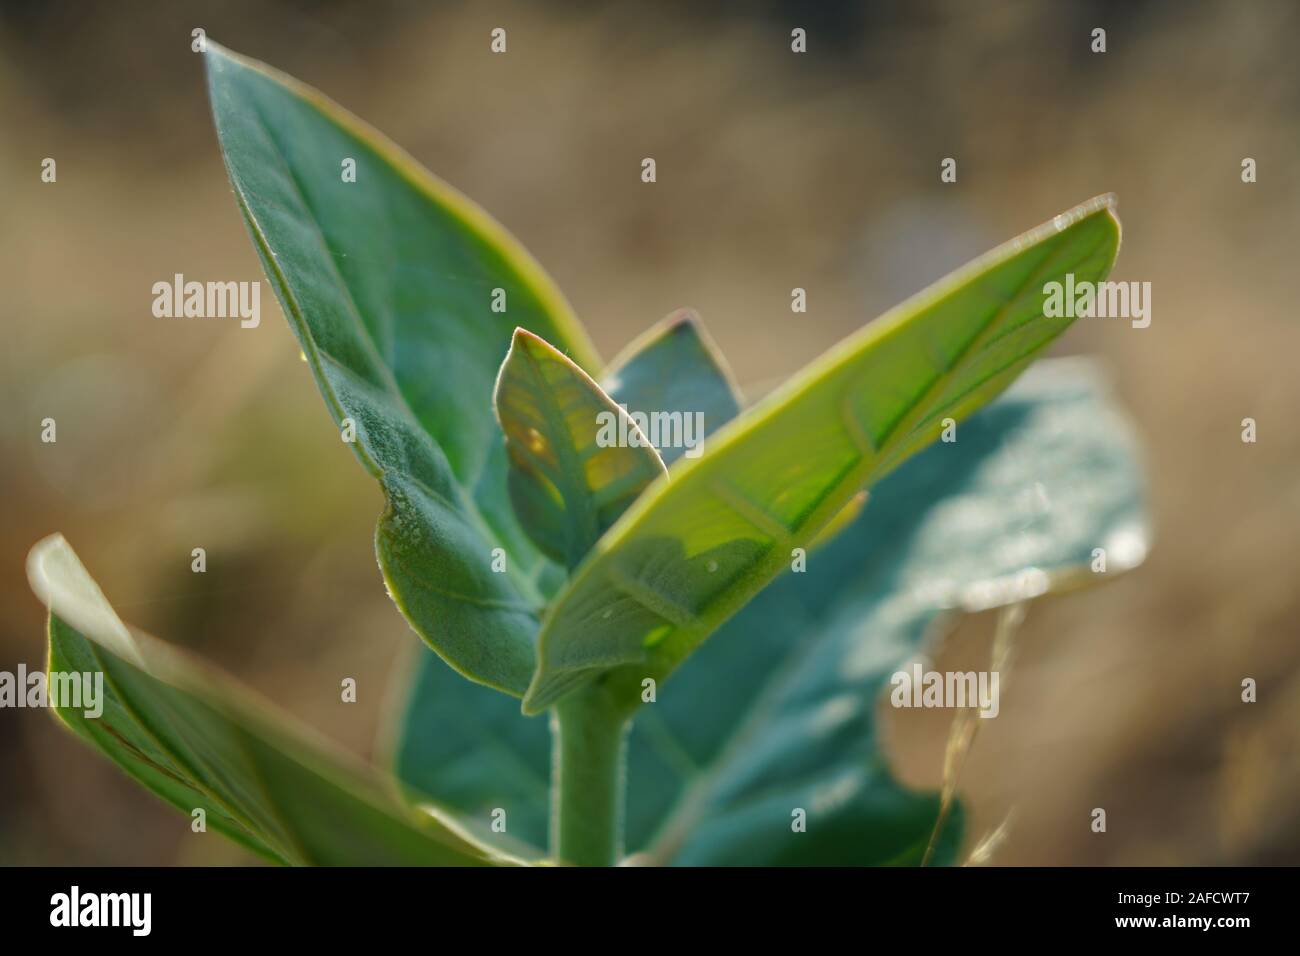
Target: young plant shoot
657, 624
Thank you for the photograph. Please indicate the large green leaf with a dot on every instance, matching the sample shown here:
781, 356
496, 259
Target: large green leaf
566, 484
389, 283
675, 369
694, 550
778, 709
200, 741
775, 711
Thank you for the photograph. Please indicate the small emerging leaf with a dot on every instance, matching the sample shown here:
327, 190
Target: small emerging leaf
570, 474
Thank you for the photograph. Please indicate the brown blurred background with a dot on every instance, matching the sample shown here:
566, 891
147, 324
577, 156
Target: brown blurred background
774, 171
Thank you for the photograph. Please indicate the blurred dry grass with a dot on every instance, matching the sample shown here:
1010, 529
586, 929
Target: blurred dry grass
775, 171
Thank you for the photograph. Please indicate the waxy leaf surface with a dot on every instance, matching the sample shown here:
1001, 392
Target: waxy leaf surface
389, 283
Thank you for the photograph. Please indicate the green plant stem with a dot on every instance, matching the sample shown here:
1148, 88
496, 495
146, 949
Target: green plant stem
587, 770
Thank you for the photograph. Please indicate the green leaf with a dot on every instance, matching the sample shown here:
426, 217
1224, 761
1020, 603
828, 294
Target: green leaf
566, 484
388, 283
198, 740
776, 710
470, 749
675, 369
693, 551
844, 518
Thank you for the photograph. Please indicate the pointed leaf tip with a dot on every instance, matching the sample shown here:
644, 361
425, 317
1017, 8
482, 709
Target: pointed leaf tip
675, 368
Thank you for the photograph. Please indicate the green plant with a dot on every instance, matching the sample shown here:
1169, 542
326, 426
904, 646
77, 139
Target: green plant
575, 575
